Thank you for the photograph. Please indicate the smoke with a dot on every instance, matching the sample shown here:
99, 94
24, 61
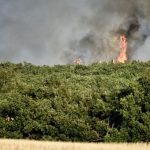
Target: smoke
58, 31
36, 30
106, 22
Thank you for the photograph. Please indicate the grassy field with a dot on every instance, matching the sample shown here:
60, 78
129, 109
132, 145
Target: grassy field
37, 145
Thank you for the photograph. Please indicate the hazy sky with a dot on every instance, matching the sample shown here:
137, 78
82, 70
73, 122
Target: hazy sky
35, 30
57, 31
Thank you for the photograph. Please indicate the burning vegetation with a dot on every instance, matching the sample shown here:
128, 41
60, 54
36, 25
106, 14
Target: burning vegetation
122, 58
78, 61
123, 50
122, 35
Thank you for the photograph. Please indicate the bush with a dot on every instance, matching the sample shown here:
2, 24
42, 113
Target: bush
100, 102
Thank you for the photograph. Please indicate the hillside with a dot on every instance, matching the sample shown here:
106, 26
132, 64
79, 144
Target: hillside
100, 102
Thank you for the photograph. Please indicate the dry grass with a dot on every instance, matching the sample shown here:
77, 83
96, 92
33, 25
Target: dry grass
35, 145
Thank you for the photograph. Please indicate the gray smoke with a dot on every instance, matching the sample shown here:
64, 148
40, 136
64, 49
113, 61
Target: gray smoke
58, 31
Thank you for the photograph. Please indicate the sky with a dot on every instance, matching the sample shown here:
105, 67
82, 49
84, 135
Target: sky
58, 31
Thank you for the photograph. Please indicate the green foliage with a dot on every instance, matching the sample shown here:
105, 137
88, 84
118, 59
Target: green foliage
100, 102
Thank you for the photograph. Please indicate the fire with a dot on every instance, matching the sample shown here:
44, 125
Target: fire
123, 50
77, 61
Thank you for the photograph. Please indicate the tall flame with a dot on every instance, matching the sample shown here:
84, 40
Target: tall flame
123, 50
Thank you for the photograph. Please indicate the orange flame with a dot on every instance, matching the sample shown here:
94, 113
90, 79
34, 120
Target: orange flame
123, 50
77, 61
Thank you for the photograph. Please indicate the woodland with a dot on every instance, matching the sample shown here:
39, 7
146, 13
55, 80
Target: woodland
100, 102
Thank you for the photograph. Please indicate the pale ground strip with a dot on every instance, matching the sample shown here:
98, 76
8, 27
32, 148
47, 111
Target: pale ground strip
40, 145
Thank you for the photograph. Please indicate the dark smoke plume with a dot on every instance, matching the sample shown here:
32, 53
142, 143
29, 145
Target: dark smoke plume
59, 31
112, 18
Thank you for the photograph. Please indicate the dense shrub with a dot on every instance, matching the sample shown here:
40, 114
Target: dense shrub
100, 102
